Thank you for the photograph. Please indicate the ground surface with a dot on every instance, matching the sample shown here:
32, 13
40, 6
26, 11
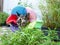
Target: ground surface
4, 29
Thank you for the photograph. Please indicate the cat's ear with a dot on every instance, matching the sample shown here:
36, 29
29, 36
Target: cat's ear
27, 15
18, 14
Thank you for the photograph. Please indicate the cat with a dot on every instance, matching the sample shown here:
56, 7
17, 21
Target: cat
23, 20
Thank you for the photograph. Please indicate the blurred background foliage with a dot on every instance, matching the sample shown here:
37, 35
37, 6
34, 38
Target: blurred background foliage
51, 13
25, 4
3, 17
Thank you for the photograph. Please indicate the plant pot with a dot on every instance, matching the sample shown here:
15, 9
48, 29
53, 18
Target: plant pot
45, 31
58, 31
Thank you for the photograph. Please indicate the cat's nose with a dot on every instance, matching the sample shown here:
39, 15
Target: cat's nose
23, 21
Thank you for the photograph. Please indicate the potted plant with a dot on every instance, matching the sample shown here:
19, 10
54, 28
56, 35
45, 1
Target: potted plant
51, 15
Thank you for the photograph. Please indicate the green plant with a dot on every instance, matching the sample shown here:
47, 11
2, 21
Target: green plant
23, 38
3, 17
51, 13
25, 4
27, 37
